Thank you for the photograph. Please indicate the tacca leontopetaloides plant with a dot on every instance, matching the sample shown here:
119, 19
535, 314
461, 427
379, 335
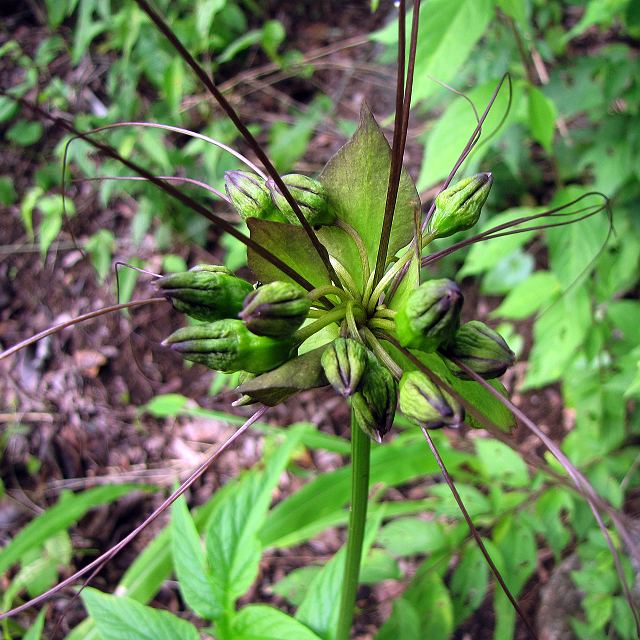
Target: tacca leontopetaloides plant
341, 300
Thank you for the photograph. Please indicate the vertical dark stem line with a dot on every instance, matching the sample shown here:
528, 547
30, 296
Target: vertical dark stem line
246, 134
360, 453
475, 534
403, 104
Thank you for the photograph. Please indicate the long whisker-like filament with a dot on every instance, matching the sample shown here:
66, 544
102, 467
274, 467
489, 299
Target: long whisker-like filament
476, 534
178, 179
83, 318
111, 553
203, 76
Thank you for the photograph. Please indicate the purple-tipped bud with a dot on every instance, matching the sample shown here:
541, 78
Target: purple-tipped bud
421, 400
344, 362
430, 316
310, 196
250, 196
374, 406
458, 207
481, 349
276, 309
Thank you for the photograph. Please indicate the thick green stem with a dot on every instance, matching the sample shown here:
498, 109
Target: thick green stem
360, 447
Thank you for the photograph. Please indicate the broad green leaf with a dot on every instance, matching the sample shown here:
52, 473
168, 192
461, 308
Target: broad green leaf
447, 36
356, 181
327, 494
25, 133
499, 462
412, 536
447, 139
299, 374
233, 548
68, 510
295, 584
558, 334
469, 582
119, 618
342, 247
379, 566
542, 118
508, 273
403, 624
529, 296
430, 598
552, 507
100, 247
291, 244
167, 405
318, 610
194, 575
260, 622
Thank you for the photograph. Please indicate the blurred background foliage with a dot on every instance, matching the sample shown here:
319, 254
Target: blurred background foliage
566, 298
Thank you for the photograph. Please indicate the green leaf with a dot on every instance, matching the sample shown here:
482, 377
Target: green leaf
403, 624
260, 622
52, 211
35, 630
529, 296
100, 247
430, 598
295, 584
542, 118
469, 582
499, 462
318, 610
301, 373
447, 139
69, 509
25, 133
192, 570
273, 35
552, 508
291, 244
168, 405
327, 494
379, 566
233, 548
356, 181
119, 618
7, 192
413, 536
447, 36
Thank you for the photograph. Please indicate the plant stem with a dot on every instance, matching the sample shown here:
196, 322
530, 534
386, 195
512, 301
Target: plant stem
335, 315
360, 447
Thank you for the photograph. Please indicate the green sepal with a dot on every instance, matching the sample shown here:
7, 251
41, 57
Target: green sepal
310, 197
228, 346
205, 292
250, 196
301, 373
344, 363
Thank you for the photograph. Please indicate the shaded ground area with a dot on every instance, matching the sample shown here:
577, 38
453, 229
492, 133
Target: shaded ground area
68, 407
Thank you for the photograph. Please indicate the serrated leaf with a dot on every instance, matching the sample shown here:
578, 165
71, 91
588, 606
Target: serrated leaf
194, 575
356, 181
291, 244
299, 374
499, 462
260, 622
124, 619
233, 548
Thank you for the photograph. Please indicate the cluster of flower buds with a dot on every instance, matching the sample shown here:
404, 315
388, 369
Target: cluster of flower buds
242, 328
254, 197
458, 207
355, 373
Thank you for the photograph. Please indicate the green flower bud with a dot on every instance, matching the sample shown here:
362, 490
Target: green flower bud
458, 207
206, 292
430, 315
250, 196
276, 309
344, 362
421, 400
228, 346
374, 406
310, 196
481, 349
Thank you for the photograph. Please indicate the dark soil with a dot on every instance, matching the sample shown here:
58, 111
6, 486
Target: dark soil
69, 404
